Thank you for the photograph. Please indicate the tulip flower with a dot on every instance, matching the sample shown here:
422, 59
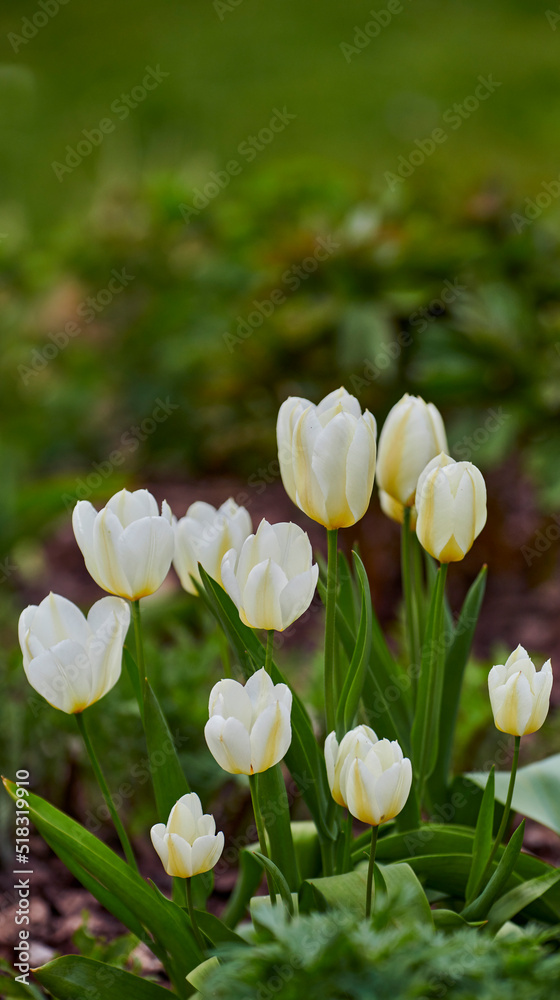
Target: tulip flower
249, 727
327, 457
272, 579
71, 660
451, 506
204, 535
128, 545
188, 844
338, 757
519, 695
377, 786
412, 435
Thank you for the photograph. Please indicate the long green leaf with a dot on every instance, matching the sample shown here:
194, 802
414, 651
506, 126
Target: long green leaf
163, 919
249, 877
277, 877
425, 728
304, 759
480, 907
537, 790
517, 899
168, 777
483, 837
354, 682
72, 976
273, 800
461, 637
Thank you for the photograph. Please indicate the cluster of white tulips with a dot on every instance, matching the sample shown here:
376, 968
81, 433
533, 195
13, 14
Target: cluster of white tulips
327, 456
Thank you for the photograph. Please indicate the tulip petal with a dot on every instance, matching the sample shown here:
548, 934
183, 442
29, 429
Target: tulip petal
105, 564
132, 506
158, 835
57, 618
360, 792
180, 862
146, 550
271, 736
261, 596
360, 466
206, 852
297, 595
62, 675
229, 698
229, 744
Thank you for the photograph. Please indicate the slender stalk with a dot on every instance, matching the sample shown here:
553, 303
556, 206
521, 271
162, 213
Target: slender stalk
348, 827
269, 650
260, 831
369, 888
419, 592
135, 605
190, 908
410, 604
330, 629
80, 720
505, 818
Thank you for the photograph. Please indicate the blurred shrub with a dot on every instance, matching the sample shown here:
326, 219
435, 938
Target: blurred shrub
137, 342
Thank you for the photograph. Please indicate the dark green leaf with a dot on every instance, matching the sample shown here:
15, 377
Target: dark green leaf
425, 728
483, 837
537, 790
517, 899
273, 800
72, 976
354, 681
278, 879
480, 907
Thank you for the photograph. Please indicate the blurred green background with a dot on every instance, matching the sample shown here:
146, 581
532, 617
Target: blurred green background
157, 303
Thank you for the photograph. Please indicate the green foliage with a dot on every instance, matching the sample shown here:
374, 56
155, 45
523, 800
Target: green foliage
336, 956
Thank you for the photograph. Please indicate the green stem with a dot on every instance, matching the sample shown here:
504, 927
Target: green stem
80, 720
410, 604
428, 703
505, 818
419, 590
369, 888
330, 629
269, 650
348, 828
260, 831
192, 917
139, 646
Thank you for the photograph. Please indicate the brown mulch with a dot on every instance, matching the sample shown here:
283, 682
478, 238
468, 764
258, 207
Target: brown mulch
522, 605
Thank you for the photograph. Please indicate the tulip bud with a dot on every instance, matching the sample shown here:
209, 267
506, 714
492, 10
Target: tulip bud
128, 545
451, 506
204, 536
378, 786
519, 695
249, 727
70, 660
356, 743
412, 435
272, 579
188, 845
327, 457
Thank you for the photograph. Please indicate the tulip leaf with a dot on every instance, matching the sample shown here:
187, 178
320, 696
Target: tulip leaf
216, 930
72, 975
133, 676
168, 777
450, 920
304, 759
483, 837
346, 892
249, 877
460, 642
406, 900
480, 907
517, 899
307, 847
425, 728
273, 801
278, 879
347, 599
92, 861
536, 793
354, 682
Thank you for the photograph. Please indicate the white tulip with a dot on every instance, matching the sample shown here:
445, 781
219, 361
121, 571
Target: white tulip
519, 695
128, 545
204, 535
71, 660
378, 786
338, 757
327, 457
249, 728
272, 579
451, 507
188, 844
412, 435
